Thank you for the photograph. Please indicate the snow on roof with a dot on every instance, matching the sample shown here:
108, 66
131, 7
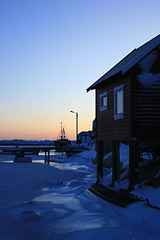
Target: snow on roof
129, 61
84, 133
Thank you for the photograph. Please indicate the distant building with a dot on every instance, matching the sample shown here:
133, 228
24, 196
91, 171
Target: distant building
85, 137
128, 106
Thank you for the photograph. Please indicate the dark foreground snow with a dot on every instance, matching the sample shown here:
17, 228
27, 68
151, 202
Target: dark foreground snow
39, 201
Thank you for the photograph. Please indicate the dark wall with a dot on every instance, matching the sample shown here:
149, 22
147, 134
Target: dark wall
108, 128
147, 97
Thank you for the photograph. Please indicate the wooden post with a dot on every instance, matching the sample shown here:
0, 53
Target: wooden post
99, 160
133, 163
118, 160
45, 156
115, 162
48, 156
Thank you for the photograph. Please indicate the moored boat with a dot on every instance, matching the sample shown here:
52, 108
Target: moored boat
62, 140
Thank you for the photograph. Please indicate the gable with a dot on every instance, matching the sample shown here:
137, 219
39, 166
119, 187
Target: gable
129, 61
149, 69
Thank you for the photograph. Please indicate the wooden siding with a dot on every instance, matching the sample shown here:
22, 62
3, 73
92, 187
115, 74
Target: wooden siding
147, 97
108, 128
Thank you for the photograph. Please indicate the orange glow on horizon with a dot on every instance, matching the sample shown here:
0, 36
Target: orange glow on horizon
41, 131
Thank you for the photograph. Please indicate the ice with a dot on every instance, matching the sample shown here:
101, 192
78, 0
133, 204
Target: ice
44, 202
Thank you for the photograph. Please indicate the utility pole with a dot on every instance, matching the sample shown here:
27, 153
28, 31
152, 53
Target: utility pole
76, 125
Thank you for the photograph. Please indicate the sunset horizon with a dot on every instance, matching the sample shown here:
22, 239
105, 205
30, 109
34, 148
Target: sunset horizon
52, 51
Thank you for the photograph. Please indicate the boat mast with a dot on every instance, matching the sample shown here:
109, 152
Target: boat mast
61, 132
64, 134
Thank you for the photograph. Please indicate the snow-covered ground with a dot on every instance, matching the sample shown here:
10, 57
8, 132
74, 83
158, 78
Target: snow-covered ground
45, 202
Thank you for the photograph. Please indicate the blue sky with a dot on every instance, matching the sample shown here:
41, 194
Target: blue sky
52, 50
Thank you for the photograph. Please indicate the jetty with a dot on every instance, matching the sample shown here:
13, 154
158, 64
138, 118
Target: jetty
20, 152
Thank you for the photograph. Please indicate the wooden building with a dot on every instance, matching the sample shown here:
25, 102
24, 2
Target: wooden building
85, 137
128, 105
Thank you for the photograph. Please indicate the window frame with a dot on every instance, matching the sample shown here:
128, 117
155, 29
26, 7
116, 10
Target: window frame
117, 90
101, 97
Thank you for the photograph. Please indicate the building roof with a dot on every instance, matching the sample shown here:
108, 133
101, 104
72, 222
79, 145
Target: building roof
84, 133
129, 61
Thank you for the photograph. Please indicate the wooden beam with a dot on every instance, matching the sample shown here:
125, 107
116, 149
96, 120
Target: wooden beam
99, 160
115, 162
118, 159
133, 163
48, 156
45, 156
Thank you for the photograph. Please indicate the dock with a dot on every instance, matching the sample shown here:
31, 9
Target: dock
21, 151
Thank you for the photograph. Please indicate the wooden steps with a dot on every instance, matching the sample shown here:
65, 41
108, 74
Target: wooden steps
120, 198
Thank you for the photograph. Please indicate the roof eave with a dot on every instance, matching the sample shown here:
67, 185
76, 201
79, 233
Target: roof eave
97, 83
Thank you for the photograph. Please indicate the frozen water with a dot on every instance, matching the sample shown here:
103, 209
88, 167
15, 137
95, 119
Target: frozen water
44, 202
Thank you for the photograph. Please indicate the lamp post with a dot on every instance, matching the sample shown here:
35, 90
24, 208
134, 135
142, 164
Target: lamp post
76, 124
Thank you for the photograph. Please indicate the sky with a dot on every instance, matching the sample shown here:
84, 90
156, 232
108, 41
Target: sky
51, 51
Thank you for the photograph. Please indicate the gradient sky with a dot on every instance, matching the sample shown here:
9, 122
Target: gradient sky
52, 50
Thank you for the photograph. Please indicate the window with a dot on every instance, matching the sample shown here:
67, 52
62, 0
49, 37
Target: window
103, 101
119, 102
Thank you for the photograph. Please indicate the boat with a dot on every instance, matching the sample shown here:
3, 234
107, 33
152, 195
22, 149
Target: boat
62, 140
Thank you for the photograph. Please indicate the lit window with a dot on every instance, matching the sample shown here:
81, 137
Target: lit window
103, 101
119, 102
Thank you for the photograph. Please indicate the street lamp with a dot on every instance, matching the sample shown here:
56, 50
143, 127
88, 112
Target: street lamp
76, 124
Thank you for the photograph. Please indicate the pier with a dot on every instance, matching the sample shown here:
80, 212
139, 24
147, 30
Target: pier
21, 151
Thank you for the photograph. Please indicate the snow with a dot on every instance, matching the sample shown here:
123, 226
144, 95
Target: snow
44, 202
149, 79
147, 62
124, 154
124, 162
148, 192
